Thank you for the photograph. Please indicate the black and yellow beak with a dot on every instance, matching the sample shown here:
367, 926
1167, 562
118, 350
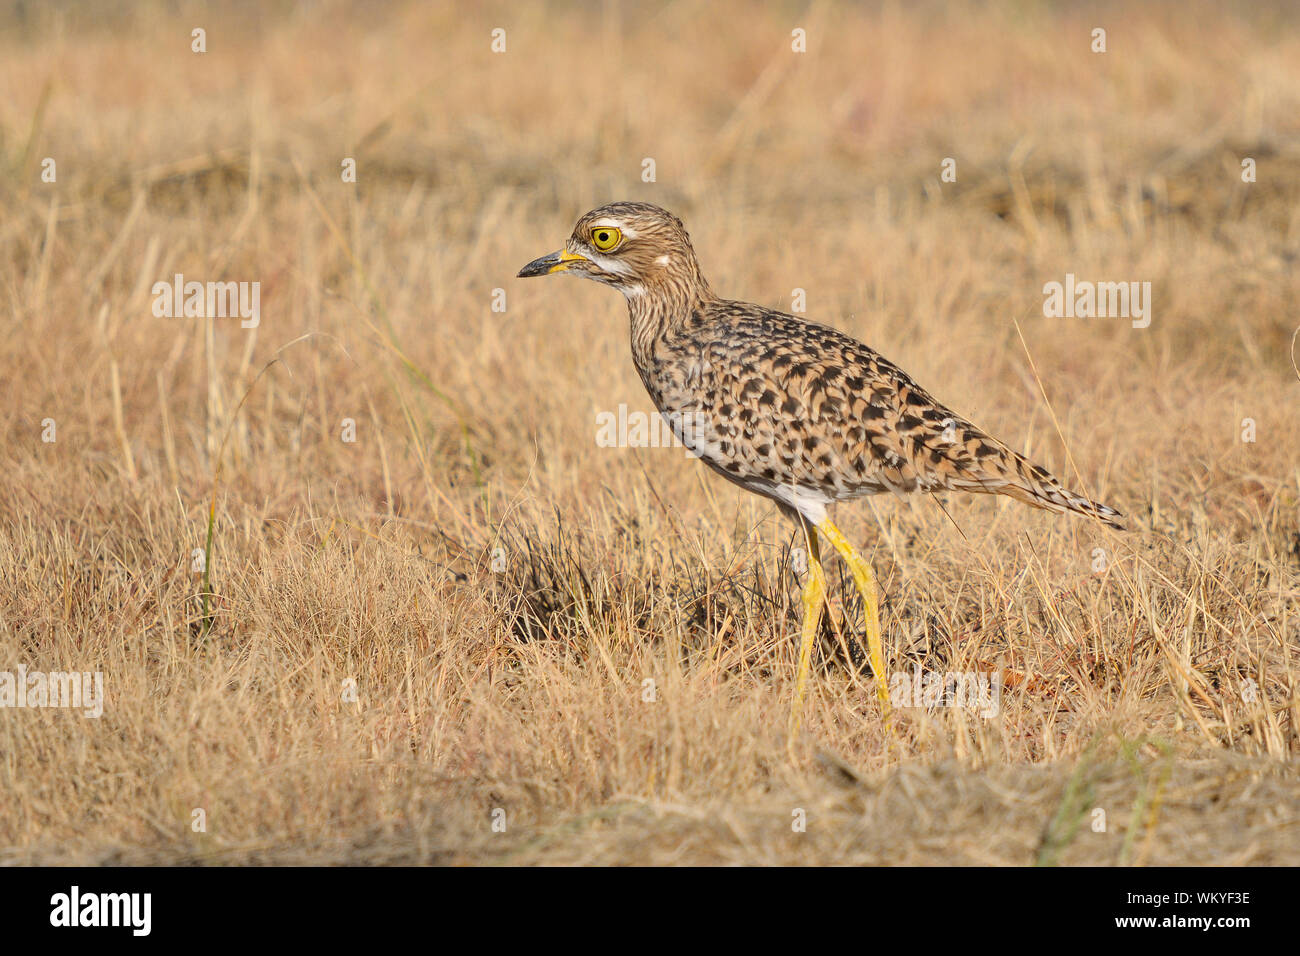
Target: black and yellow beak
555, 262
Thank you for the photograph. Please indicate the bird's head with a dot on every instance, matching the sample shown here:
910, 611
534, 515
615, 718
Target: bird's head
636, 247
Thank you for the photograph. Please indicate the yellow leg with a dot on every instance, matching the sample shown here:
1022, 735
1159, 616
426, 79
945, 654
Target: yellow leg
814, 599
865, 580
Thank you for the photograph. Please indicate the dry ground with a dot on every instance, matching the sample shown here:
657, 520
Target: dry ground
498, 586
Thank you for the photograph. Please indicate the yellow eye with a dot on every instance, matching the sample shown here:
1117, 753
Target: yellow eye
606, 238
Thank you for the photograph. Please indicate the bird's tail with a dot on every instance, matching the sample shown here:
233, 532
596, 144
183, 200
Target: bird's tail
980, 463
1037, 486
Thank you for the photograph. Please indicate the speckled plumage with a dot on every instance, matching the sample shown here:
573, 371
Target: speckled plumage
788, 408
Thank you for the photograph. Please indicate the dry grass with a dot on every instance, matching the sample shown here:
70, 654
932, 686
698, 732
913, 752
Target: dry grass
524, 689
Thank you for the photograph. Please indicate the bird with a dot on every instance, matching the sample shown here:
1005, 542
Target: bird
790, 409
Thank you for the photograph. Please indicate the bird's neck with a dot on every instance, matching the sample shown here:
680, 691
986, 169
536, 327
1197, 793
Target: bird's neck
661, 310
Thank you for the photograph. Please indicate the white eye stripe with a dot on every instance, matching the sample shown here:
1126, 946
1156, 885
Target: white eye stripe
607, 264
